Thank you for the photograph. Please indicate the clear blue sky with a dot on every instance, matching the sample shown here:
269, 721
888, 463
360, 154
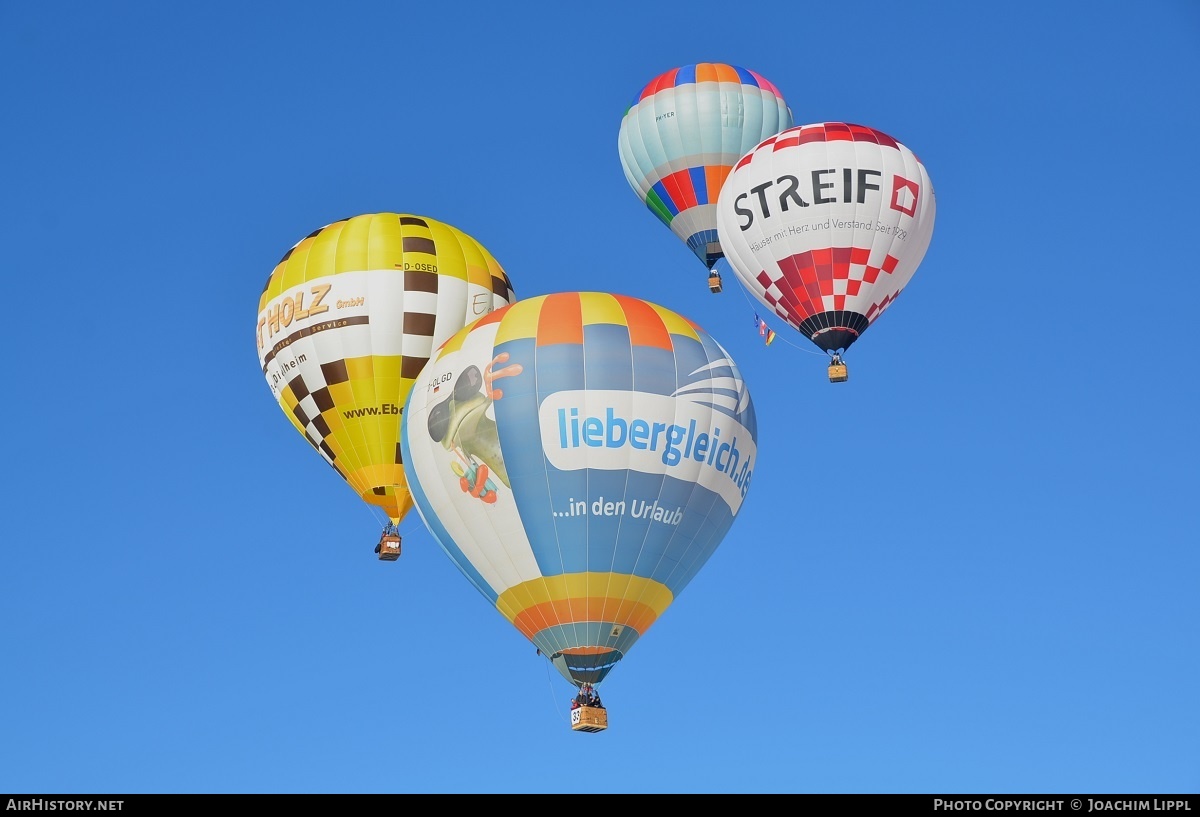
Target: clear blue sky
972, 568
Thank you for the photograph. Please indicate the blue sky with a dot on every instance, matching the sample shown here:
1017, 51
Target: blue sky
972, 568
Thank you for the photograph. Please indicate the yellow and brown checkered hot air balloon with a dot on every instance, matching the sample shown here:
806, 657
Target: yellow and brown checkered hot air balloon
347, 320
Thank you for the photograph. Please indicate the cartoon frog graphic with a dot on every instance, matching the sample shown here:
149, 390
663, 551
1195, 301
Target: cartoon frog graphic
462, 425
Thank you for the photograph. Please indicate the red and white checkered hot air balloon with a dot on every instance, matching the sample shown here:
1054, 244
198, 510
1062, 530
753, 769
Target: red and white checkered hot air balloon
825, 224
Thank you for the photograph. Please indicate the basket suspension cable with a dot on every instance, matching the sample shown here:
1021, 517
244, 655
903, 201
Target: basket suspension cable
750, 303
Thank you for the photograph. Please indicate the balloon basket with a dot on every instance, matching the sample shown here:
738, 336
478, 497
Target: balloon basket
589, 719
389, 548
714, 283
838, 373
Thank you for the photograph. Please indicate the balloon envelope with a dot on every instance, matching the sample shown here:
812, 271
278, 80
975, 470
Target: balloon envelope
684, 132
825, 224
348, 318
580, 456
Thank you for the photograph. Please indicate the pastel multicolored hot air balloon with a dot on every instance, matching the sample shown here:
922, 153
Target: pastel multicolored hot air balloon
682, 135
826, 224
580, 456
348, 318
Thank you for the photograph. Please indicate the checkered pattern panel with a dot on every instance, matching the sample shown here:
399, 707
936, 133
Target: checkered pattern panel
352, 440
821, 280
501, 288
832, 132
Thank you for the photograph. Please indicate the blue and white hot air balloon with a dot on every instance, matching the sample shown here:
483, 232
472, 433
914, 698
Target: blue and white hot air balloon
680, 138
580, 456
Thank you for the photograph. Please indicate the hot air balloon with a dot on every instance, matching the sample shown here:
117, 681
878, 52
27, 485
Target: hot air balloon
682, 135
580, 456
826, 224
348, 318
